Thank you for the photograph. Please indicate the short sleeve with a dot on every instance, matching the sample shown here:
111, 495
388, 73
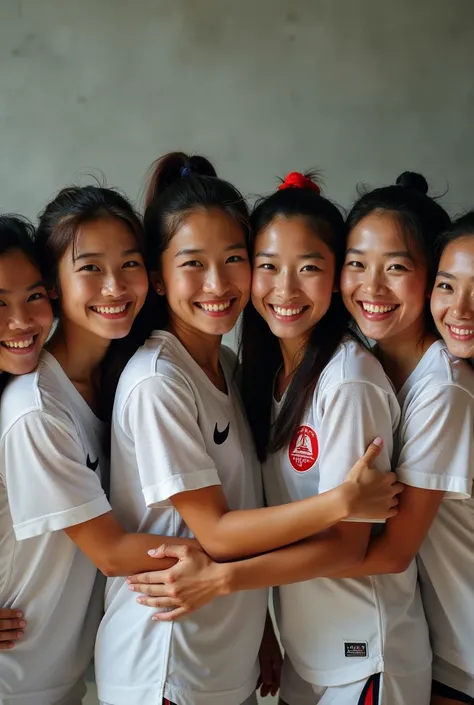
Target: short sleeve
49, 485
160, 416
437, 441
352, 415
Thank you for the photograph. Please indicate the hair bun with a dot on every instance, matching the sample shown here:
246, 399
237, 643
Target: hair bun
296, 180
173, 167
414, 181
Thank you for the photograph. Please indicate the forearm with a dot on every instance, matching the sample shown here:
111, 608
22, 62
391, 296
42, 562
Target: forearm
382, 557
250, 532
308, 559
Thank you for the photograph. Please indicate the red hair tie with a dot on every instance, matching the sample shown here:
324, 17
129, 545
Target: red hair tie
297, 180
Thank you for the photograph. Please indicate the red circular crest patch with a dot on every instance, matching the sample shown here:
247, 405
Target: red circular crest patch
304, 449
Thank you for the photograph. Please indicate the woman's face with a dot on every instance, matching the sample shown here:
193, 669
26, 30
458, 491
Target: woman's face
26, 316
452, 299
102, 279
383, 284
205, 273
293, 278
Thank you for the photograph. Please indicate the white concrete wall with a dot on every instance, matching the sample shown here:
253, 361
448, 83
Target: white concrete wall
361, 88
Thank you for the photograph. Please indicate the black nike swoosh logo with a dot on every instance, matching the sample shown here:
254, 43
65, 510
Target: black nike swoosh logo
92, 465
220, 437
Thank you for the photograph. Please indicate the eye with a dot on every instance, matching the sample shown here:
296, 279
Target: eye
354, 263
2, 303
131, 264
89, 268
267, 265
192, 263
311, 268
37, 296
444, 286
235, 258
397, 268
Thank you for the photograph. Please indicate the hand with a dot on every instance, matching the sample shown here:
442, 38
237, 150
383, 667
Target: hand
11, 628
372, 494
271, 662
190, 584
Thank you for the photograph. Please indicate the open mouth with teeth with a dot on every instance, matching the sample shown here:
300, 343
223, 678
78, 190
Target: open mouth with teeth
461, 333
288, 314
215, 308
117, 311
20, 347
377, 311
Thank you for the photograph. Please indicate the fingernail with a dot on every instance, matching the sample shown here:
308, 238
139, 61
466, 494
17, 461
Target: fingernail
22, 624
139, 600
19, 614
131, 587
378, 441
152, 551
19, 634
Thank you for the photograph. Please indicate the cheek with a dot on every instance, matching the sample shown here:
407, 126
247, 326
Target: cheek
412, 290
261, 287
181, 285
348, 285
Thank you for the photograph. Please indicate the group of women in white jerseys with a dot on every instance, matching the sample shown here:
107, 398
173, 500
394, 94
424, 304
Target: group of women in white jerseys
135, 446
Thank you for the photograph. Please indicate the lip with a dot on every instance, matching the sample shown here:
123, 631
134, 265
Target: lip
110, 315
459, 336
20, 339
379, 315
284, 318
227, 303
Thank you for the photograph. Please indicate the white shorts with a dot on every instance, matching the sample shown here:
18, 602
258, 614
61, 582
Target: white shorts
380, 689
447, 674
251, 700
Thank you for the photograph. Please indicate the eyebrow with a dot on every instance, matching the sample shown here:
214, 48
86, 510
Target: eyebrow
447, 275
87, 255
272, 255
196, 251
36, 285
396, 253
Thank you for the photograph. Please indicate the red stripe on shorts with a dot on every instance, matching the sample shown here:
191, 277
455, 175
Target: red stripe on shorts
371, 691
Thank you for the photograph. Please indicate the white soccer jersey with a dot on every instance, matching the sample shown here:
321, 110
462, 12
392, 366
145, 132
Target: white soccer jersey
436, 452
50, 464
174, 431
340, 631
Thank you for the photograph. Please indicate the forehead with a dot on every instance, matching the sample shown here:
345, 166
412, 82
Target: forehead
102, 235
378, 232
458, 257
206, 230
17, 271
287, 236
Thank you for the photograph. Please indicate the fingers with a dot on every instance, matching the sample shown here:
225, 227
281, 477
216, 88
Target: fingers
155, 577
171, 615
170, 551
11, 629
159, 601
10, 614
153, 589
398, 487
373, 450
8, 638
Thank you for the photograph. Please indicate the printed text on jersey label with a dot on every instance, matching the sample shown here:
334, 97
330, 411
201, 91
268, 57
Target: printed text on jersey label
220, 437
304, 449
92, 465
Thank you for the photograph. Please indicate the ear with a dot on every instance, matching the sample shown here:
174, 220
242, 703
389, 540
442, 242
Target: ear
157, 283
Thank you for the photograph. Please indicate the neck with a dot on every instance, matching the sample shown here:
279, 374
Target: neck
203, 348
79, 352
292, 351
401, 354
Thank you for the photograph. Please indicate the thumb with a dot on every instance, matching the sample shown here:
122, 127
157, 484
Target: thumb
167, 550
373, 451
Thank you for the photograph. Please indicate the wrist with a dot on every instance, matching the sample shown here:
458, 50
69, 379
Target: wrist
225, 578
347, 495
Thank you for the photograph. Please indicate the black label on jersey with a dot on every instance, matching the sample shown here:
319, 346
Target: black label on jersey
92, 465
355, 649
220, 437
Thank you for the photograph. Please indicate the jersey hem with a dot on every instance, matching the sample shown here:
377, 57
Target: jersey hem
155, 494
458, 488
340, 676
62, 520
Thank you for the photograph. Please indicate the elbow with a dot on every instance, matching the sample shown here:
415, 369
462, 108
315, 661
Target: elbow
108, 566
399, 563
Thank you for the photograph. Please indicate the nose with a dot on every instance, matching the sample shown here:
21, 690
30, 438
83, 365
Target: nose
20, 319
462, 306
113, 286
373, 282
285, 285
215, 282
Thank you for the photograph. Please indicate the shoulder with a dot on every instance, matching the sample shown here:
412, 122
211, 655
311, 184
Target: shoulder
352, 363
440, 375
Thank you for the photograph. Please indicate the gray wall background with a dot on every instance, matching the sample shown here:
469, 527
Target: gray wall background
363, 89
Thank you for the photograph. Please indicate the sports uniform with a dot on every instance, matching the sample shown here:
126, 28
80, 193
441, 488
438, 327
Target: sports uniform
173, 431
436, 452
51, 462
340, 633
